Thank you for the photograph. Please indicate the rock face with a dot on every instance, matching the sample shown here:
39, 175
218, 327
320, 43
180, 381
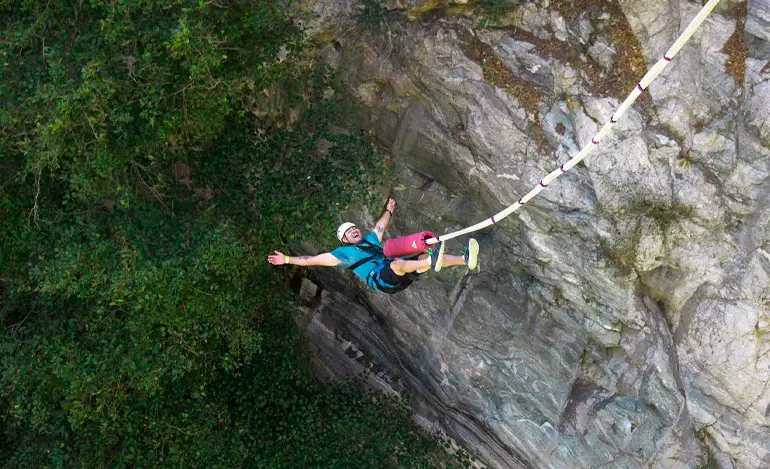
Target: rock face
622, 318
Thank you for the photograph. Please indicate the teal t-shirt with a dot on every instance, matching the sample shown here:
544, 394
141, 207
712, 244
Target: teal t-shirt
353, 253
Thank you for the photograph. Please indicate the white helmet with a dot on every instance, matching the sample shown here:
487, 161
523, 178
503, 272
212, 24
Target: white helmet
343, 228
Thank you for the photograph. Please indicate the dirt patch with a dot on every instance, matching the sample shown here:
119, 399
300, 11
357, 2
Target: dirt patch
551, 48
608, 18
735, 47
572, 9
629, 66
564, 53
497, 74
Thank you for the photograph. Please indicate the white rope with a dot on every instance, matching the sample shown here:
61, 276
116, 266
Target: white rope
640, 87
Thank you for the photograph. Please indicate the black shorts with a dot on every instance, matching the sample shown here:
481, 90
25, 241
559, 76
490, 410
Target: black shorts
388, 282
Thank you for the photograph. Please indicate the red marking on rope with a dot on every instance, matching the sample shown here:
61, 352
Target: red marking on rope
562, 169
667, 59
543, 185
493, 219
639, 85
612, 120
594, 142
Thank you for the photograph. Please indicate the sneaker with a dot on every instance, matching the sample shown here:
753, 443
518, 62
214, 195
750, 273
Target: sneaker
437, 257
471, 255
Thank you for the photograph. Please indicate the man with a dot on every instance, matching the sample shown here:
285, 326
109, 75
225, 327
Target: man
364, 256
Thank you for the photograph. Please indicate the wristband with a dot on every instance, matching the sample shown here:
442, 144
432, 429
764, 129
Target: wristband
391, 213
287, 259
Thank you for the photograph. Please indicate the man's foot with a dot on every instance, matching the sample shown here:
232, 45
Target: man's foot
471, 255
437, 257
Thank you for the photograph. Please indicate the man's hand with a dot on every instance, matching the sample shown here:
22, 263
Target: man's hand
277, 259
391, 205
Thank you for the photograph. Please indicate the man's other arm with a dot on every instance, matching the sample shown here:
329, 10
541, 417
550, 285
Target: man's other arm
326, 259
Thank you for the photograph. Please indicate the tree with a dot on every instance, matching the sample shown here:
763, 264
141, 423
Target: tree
150, 154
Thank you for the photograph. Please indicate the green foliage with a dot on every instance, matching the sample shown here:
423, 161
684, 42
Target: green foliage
375, 17
711, 464
494, 10
152, 153
663, 214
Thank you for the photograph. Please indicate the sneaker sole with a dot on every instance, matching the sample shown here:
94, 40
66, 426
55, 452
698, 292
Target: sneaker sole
473, 254
440, 260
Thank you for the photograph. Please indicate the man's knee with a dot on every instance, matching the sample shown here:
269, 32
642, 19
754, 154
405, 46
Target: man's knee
397, 266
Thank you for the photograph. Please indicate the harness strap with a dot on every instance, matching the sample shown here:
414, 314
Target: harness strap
385, 288
366, 246
361, 262
370, 248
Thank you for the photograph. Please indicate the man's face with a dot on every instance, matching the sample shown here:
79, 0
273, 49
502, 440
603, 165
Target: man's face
352, 236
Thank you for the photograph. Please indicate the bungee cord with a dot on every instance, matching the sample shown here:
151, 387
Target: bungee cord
651, 75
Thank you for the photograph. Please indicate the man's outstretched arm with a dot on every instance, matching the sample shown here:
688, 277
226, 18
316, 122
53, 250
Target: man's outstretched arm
326, 259
382, 223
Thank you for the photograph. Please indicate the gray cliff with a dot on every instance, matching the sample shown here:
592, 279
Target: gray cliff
622, 318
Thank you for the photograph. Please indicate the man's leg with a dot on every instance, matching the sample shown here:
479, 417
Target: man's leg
403, 266
453, 260
470, 256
